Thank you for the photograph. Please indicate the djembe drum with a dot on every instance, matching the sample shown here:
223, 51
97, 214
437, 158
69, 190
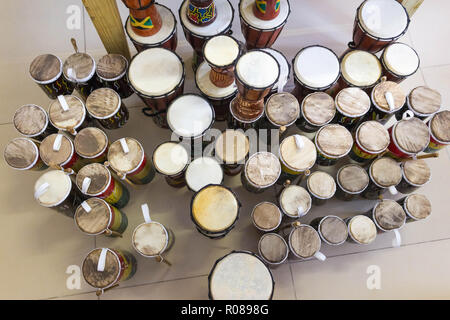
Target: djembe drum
317, 110
439, 128
387, 99
295, 202
32, 121
112, 73
415, 174
385, 174
171, 159
144, 17
371, 140
23, 154
423, 102
399, 61
351, 181
333, 142
106, 106
79, 71
416, 206
203, 171
352, 104
360, 69
361, 229
91, 144
266, 216
68, 113
332, 229
304, 242
321, 186
231, 149
285, 70
273, 249
58, 151
261, 171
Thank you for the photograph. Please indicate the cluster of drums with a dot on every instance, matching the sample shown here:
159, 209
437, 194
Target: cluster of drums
337, 110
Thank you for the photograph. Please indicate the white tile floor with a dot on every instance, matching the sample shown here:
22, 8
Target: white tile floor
39, 245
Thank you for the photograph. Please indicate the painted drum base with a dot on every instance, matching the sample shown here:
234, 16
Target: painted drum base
119, 196
144, 174
119, 222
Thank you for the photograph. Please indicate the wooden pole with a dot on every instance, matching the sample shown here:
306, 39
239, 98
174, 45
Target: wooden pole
411, 5
106, 19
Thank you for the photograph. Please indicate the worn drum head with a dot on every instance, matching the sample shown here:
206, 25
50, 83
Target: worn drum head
232, 147
70, 119
361, 68
334, 140
373, 136
295, 158
112, 66
215, 208
416, 172
295, 201
321, 185
352, 178
389, 215
333, 230
103, 103
21, 153
52, 157
318, 108
150, 239
266, 216
208, 88
440, 126
125, 162
59, 188
424, 100
282, 109
170, 158
273, 248
202, 172
257, 69
362, 229
418, 206
304, 241
401, 59
46, 68
411, 135
386, 172
262, 169
221, 51
95, 221
352, 102
30, 120
79, 67
99, 175
379, 96
247, 13
101, 279
90, 142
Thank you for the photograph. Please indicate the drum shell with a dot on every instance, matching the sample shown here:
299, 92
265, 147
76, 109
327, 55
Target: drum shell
114, 193
234, 123
144, 173
204, 21
221, 106
252, 94
86, 88
395, 151
358, 154
68, 206
119, 85
409, 217
116, 120
57, 88
391, 75
301, 90
259, 38
48, 130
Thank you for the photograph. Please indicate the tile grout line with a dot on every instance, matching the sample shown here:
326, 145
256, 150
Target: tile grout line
293, 282
420, 68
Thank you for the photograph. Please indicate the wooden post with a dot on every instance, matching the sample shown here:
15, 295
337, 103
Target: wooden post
106, 19
411, 5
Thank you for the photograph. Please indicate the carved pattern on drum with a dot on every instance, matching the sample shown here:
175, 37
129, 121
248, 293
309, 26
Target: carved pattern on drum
200, 15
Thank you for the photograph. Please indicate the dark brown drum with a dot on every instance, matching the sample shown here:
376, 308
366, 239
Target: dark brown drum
144, 17
112, 73
32, 121
79, 70
106, 106
23, 154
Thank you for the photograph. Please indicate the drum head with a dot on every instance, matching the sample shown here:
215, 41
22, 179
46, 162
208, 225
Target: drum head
112, 66
361, 68
401, 59
334, 140
353, 102
90, 142
101, 279
208, 88
333, 229
379, 96
202, 172
79, 67
412, 135
95, 221
353, 178
296, 159
170, 158
21, 153
418, 206
362, 229
294, 199
103, 103
59, 188
304, 241
30, 120
99, 175
46, 68
321, 185
246, 12
389, 215
70, 119
373, 136
263, 169
424, 100
266, 216
257, 69
273, 248
386, 172
221, 51
318, 108
440, 126
417, 172
125, 162
282, 109
232, 147
150, 239
56, 157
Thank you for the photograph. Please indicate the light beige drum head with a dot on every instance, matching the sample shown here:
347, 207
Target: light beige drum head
282, 109
298, 159
257, 69
221, 50
304, 241
170, 158
418, 206
321, 184
353, 178
361, 68
70, 119
95, 221
30, 120
21, 153
79, 67
215, 208
386, 172
273, 248
52, 157
440, 126
125, 162
150, 239
401, 59
90, 142
412, 135
103, 103
334, 140
46, 68
266, 216
112, 66
318, 108
99, 175
58, 190
294, 199
352, 102
232, 146
425, 100
417, 172
96, 278
362, 229
379, 95
373, 136
263, 169
334, 230
202, 172
389, 215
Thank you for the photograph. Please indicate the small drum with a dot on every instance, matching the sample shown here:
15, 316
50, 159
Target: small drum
273, 249
262, 33
145, 19
333, 142
321, 186
261, 171
416, 174
316, 68
384, 173
231, 149
79, 70
46, 71
95, 180
91, 144
157, 76
166, 37
439, 127
68, 113
95, 217
352, 104
105, 268
318, 109
332, 229
281, 110
297, 155
152, 239
54, 189
304, 242
266, 216
171, 159
360, 69
240, 275
58, 152
400, 61
203, 171
351, 180
408, 138
378, 23
423, 102
201, 12
127, 158
234, 121
285, 69
295, 201
417, 207
387, 99
361, 229
215, 211
23, 154
388, 215
106, 106
112, 73
32, 121
371, 140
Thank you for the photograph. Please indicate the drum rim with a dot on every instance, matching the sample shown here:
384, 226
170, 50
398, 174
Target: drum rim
52, 79
282, 24
35, 147
120, 76
107, 225
86, 79
156, 167
393, 137
251, 182
281, 205
47, 118
344, 189
207, 96
99, 153
341, 59
382, 58
75, 127
338, 108
313, 193
416, 113
210, 295
116, 280
411, 183
282, 54
165, 246
226, 66
64, 198
264, 258
358, 142
375, 219
322, 237
374, 181
258, 227
202, 157
320, 150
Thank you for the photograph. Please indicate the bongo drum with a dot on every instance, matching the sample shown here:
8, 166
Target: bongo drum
68, 113
321, 186
112, 73
332, 229
360, 69
371, 140
388, 215
23, 154
95, 180
295, 201
273, 249
54, 189
240, 275
317, 110
399, 61
408, 138
91, 144
352, 104
105, 268
215, 211
201, 12
281, 110
439, 128
351, 180
157, 76
166, 37
95, 217
79, 70
106, 106
416, 206
127, 158
262, 33
361, 229
297, 155
46, 71
423, 102
285, 69
384, 173
145, 19
32, 121
266, 216
231, 149
235, 121
333, 142
170, 160
203, 171
378, 23
261, 171
415, 174
57, 151
316, 68
387, 98
304, 242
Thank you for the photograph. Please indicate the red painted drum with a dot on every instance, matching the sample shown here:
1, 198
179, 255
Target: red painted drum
144, 17
58, 151
267, 9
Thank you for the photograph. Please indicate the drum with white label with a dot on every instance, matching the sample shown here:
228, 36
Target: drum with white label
295, 201
79, 70
385, 174
58, 152
387, 99
297, 155
68, 113
400, 61
423, 102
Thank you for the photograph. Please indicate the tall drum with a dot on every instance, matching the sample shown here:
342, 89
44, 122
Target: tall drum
439, 127
385, 174
295, 201
423, 102
32, 121
317, 110
68, 113
321, 186
273, 249
360, 69
112, 73
333, 142
58, 151
106, 106
352, 104
371, 140
281, 111
144, 17
23, 154
400, 61
416, 206
416, 174
285, 69
92, 145
266, 216
351, 181
361, 229
297, 155
387, 98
